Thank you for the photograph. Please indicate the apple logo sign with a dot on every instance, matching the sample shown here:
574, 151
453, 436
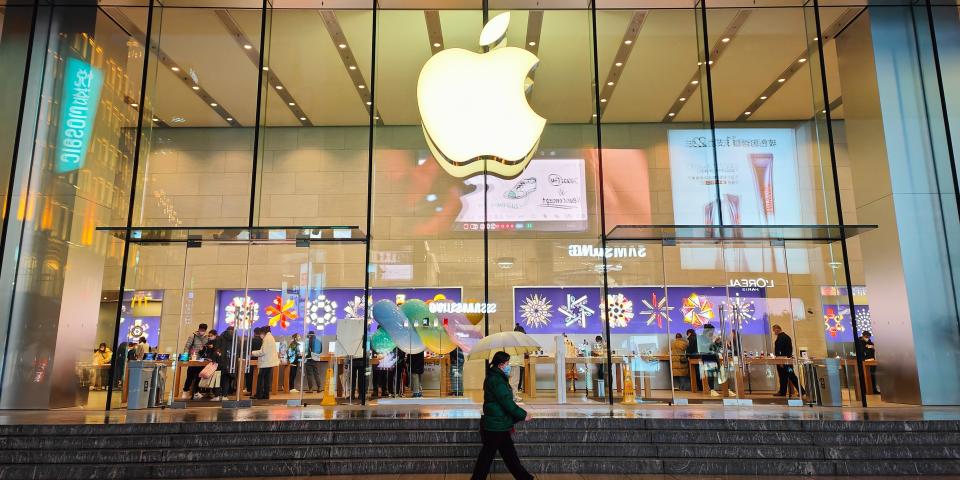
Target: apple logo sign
473, 106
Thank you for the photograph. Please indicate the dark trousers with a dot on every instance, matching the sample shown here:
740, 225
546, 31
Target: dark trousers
294, 369
358, 379
502, 442
193, 375
264, 382
520, 381
786, 374
226, 382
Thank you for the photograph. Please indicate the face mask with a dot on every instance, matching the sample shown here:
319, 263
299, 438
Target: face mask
506, 369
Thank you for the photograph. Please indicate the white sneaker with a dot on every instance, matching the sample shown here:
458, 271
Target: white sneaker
732, 393
714, 393
216, 399
197, 396
294, 390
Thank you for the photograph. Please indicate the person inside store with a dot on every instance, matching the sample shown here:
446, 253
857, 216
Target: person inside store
142, 349
416, 374
120, 368
519, 328
194, 344
500, 413
400, 380
783, 348
101, 361
598, 349
570, 351
210, 354
224, 346
293, 359
456, 372
383, 375
723, 374
679, 364
709, 357
313, 382
268, 359
693, 351
869, 353
255, 343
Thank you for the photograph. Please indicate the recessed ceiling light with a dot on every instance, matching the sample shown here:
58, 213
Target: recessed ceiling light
213, 104
353, 67
619, 64
627, 42
532, 43
195, 87
747, 113
247, 46
175, 69
361, 86
369, 103
266, 69
134, 105
671, 114
436, 44
763, 97
229, 119
603, 100
291, 104
816, 39
594, 115
781, 80
376, 118
725, 39
156, 119
279, 87
694, 82
683, 99
342, 45
610, 83
823, 111
802, 60
304, 119
710, 62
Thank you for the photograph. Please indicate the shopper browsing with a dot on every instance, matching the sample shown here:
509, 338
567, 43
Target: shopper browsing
267, 361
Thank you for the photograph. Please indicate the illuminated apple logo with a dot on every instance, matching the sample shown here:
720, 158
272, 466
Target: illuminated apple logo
473, 106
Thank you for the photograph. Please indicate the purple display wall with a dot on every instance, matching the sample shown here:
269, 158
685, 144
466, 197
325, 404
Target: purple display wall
134, 323
639, 310
319, 309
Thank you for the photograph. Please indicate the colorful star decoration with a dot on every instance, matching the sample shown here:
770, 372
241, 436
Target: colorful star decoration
576, 311
242, 312
621, 310
833, 322
282, 314
535, 311
697, 310
656, 310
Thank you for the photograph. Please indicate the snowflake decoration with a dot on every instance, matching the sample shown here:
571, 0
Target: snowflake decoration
137, 330
576, 311
282, 312
862, 317
322, 311
535, 311
621, 310
833, 322
355, 308
656, 310
697, 310
741, 311
242, 313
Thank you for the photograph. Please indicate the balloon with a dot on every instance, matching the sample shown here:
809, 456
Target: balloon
460, 330
392, 319
381, 341
475, 318
427, 325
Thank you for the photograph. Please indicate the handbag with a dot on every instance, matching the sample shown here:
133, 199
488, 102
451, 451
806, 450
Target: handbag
211, 382
208, 370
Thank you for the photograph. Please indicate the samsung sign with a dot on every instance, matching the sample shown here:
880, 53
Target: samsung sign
608, 252
78, 110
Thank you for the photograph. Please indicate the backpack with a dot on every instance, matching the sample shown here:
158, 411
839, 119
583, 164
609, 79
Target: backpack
315, 349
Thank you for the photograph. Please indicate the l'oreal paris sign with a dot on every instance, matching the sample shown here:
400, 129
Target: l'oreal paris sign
752, 283
462, 307
82, 84
608, 252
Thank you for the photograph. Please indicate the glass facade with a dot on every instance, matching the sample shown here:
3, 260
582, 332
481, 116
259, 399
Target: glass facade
681, 202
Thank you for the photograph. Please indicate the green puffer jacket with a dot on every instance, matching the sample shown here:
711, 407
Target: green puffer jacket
500, 412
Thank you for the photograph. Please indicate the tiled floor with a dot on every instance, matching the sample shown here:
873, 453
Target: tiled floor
280, 413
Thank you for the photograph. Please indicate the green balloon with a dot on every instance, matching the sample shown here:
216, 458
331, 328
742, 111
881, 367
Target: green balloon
381, 341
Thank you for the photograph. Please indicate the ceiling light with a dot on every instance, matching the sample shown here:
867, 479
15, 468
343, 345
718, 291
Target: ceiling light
816, 39
532, 44
156, 119
802, 60
342, 45
353, 67
213, 104
725, 39
436, 44
304, 119
195, 87
247, 46
627, 42
266, 69
361, 86
369, 103
610, 83
763, 97
229, 119
431, 197
671, 114
279, 87
823, 111
694, 82
291, 104
710, 62
603, 100
134, 105
747, 113
683, 99
376, 118
781, 80
619, 64
175, 69
594, 115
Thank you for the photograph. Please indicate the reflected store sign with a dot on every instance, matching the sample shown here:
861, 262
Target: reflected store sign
82, 84
608, 252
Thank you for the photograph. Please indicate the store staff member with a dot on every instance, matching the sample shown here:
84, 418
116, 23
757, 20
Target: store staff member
783, 348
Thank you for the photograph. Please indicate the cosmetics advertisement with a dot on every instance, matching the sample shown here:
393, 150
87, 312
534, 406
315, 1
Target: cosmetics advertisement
754, 181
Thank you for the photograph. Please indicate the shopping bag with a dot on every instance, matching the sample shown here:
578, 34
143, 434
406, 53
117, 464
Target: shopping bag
208, 370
